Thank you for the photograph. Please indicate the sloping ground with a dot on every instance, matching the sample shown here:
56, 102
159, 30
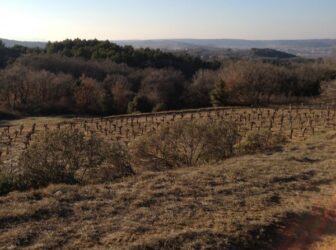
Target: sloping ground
243, 203
314, 230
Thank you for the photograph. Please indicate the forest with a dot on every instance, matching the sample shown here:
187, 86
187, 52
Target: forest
91, 77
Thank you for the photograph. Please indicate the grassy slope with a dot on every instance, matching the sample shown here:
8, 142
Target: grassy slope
237, 203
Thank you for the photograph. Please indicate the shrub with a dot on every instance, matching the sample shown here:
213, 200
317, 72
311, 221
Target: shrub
218, 95
66, 156
259, 141
116, 166
9, 183
160, 107
140, 104
6, 184
186, 144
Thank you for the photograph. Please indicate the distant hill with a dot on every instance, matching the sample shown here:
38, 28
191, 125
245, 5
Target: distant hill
270, 53
306, 48
222, 54
12, 43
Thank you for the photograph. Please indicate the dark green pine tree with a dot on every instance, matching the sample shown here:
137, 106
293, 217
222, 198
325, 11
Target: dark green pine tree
219, 94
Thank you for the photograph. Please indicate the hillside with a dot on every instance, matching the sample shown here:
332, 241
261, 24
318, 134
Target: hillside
260, 201
306, 48
254, 53
270, 53
30, 44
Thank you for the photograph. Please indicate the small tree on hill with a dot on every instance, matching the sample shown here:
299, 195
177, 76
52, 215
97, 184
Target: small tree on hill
140, 104
219, 94
89, 96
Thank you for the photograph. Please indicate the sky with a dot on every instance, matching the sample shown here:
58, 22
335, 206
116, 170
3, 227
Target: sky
51, 20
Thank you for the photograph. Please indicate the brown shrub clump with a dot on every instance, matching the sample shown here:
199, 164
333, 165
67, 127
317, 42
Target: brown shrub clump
67, 156
260, 141
186, 144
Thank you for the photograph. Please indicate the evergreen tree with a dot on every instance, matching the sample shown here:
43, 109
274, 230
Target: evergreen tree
140, 104
219, 95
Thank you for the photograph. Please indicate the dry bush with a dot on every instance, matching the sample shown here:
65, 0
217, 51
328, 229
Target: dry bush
116, 166
89, 96
186, 144
198, 92
10, 182
7, 184
66, 156
259, 141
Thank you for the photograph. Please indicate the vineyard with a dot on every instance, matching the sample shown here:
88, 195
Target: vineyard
297, 123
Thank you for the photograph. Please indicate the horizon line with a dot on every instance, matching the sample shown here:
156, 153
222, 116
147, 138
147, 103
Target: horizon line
164, 39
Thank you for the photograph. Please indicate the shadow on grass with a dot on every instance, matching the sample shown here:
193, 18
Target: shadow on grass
302, 231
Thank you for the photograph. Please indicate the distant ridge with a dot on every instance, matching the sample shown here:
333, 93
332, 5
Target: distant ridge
305, 48
312, 48
12, 43
232, 43
269, 53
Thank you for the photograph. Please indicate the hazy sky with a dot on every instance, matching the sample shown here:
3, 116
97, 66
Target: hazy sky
152, 19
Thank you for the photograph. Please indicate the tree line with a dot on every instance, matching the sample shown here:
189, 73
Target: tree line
8, 55
101, 78
140, 58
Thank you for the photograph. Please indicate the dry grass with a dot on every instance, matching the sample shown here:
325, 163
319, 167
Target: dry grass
241, 203
327, 243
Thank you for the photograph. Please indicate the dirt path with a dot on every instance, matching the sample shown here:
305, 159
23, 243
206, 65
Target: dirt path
327, 238
314, 231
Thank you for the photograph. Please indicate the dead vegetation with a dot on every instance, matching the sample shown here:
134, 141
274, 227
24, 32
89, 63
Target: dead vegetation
68, 156
296, 123
184, 143
241, 203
